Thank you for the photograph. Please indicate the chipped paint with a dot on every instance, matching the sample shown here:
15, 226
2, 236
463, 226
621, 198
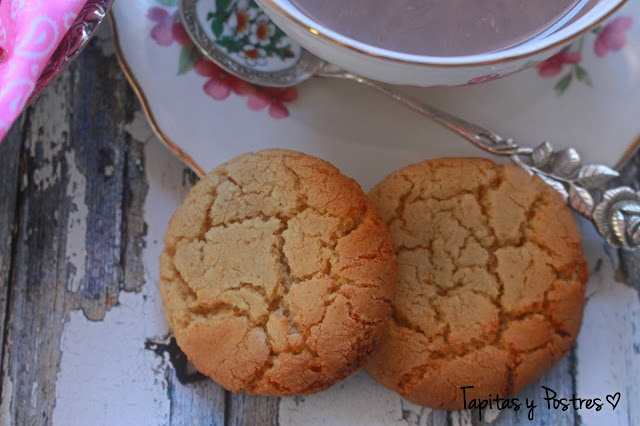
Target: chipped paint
103, 40
461, 418
34, 394
491, 415
139, 127
50, 145
464, 417
49, 173
105, 371
75, 251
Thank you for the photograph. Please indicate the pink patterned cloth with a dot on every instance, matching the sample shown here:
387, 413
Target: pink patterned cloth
30, 31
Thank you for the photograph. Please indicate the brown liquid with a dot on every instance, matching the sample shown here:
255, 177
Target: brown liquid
438, 27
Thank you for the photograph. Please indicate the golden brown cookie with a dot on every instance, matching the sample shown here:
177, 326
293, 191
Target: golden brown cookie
277, 274
491, 281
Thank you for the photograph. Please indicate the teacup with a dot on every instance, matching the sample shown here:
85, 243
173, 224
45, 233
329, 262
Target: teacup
429, 71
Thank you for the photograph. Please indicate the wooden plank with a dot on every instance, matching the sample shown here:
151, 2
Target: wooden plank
134, 227
71, 241
9, 187
40, 269
101, 153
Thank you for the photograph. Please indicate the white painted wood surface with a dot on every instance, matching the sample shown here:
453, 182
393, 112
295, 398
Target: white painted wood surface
105, 376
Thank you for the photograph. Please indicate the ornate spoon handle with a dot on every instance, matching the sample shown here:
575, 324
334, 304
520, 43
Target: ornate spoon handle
615, 212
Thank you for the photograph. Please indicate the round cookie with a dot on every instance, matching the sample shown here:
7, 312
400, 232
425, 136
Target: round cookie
277, 274
491, 281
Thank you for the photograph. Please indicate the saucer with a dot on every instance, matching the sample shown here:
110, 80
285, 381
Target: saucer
586, 97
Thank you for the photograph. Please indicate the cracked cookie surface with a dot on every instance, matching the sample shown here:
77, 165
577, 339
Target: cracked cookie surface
277, 275
491, 281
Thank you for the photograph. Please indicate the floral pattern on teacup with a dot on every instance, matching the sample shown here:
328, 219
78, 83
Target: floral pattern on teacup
609, 38
613, 36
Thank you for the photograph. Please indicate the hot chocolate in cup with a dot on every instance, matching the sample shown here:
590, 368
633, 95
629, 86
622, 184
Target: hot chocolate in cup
436, 42
444, 27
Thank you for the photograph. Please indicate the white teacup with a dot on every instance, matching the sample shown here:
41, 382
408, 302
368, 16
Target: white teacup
431, 71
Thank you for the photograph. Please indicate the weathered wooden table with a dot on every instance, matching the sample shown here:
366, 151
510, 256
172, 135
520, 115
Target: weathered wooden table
81, 179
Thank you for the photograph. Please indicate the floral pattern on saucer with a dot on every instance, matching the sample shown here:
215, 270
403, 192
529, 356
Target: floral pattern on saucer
609, 38
220, 84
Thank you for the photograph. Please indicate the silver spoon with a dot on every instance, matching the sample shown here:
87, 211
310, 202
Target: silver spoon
615, 212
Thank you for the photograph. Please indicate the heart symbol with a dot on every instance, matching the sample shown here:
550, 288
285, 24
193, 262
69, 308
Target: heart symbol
614, 399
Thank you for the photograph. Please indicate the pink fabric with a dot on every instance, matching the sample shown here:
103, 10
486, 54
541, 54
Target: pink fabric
30, 31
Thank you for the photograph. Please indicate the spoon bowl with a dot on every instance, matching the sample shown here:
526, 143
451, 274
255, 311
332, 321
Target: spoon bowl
276, 71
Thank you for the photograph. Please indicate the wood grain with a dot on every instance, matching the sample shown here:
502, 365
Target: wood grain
243, 409
200, 403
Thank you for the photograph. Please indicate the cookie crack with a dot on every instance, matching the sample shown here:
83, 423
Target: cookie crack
399, 214
504, 316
